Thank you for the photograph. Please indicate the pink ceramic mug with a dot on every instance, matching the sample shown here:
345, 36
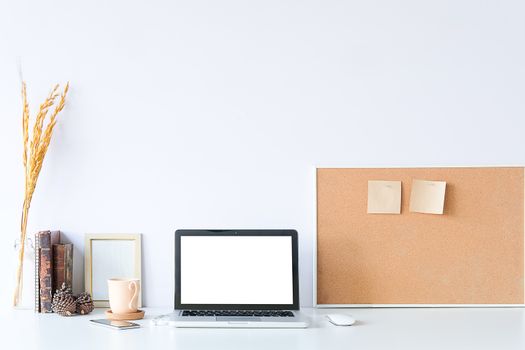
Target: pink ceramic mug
123, 295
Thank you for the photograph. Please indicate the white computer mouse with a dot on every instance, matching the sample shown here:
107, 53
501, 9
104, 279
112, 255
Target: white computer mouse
340, 319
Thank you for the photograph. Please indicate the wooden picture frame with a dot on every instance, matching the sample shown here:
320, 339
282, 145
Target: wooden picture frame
110, 256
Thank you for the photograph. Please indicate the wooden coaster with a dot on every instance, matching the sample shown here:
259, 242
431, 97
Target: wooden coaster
121, 317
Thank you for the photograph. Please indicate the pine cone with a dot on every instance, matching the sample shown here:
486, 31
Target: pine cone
64, 303
84, 303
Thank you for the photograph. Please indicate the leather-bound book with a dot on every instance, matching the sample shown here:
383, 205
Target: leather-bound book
37, 272
46, 240
62, 266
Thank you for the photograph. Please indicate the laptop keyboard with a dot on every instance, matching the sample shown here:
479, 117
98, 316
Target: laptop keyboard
252, 313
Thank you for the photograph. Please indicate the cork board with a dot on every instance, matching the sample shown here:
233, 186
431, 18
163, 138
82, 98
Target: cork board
472, 254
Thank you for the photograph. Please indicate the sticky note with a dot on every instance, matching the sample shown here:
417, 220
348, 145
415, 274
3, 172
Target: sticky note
427, 197
384, 197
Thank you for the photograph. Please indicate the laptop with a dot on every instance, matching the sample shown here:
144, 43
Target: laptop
237, 279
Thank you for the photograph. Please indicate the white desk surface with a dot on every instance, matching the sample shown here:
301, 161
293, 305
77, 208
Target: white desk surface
488, 328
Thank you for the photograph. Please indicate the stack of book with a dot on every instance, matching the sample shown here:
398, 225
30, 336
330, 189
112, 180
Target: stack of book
53, 266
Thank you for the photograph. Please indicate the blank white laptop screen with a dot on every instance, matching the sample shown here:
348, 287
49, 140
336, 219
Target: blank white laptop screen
236, 270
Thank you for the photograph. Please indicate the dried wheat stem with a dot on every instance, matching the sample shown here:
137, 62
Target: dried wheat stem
33, 157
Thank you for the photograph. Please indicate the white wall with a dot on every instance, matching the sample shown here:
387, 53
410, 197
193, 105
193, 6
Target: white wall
211, 114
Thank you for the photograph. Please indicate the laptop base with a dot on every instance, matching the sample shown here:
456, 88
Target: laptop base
299, 321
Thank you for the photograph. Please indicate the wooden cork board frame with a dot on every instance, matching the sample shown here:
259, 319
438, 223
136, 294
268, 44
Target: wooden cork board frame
473, 255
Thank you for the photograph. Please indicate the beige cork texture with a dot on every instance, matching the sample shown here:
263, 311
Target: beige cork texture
472, 254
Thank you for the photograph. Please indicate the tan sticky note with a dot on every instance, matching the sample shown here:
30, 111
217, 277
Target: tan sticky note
427, 197
384, 197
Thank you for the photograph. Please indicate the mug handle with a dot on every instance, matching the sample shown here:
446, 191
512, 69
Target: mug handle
135, 295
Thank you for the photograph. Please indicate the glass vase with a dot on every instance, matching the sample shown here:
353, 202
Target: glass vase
27, 297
